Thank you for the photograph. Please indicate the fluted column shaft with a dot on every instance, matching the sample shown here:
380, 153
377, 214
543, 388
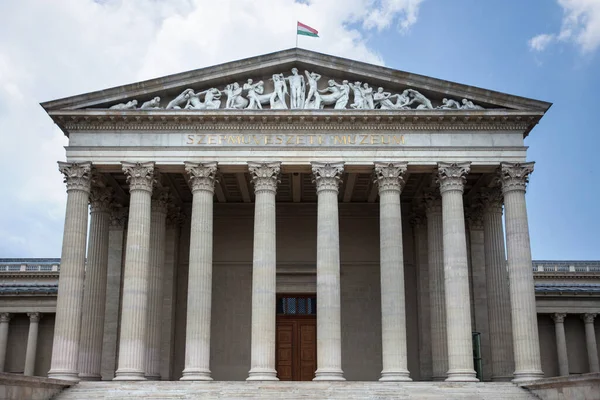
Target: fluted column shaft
94, 295
561, 344
437, 298
264, 272
132, 342
590, 340
32, 338
451, 178
420, 236
498, 296
4, 322
67, 325
155, 282
329, 332
390, 180
197, 340
116, 232
528, 365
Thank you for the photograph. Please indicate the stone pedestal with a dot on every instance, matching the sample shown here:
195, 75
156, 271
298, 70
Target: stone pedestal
264, 272
451, 178
4, 322
67, 325
390, 181
160, 199
437, 301
197, 340
132, 342
32, 339
116, 239
561, 344
498, 296
329, 337
590, 340
94, 295
528, 365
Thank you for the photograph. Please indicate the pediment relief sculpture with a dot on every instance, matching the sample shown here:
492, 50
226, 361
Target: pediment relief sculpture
297, 91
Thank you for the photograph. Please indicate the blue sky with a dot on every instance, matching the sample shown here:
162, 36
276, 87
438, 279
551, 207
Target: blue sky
543, 49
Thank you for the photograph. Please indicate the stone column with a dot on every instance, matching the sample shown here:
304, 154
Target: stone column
437, 301
498, 296
476, 241
390, 180
67, 325
160, 199
4, 322
451, 178
561, 344
174, 219
264, 272
590, 340
94, 295
32, 338
132, 341
329, 332
116, 231
419, 223
528, 364
197, 339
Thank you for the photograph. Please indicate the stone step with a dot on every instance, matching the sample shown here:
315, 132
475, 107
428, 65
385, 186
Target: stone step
294, 390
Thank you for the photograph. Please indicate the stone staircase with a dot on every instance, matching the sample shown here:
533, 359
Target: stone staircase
153, 390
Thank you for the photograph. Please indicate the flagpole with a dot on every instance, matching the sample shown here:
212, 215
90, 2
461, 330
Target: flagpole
296, 34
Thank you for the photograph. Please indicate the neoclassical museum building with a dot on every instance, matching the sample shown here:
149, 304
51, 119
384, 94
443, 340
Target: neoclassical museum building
297, 216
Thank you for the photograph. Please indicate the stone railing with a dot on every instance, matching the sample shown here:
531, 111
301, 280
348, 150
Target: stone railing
29, 265
566, 266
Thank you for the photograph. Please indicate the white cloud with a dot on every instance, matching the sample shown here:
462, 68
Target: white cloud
580, 25
52, 49
540, 42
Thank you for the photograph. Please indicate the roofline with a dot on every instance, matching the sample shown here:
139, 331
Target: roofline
291, 55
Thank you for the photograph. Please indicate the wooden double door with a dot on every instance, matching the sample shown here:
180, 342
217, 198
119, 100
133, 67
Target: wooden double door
296, 351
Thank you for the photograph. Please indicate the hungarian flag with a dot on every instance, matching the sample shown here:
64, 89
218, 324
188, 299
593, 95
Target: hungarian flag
307, 30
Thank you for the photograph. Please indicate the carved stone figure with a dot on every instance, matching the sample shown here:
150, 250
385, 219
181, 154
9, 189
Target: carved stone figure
367, 94
312, 78
277, 98
177, 102
416, 97
212, 100
338, 95
234, 97
151, 104
383, 100
130, 105
297, 89
359, 101
341, 103
253, 90
468, 105
449, 104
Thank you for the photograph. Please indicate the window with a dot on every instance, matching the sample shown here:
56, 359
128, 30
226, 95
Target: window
297, 305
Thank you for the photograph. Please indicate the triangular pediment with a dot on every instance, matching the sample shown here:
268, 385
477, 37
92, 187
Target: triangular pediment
211, 88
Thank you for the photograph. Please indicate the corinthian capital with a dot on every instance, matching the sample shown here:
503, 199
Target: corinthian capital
77, 175
118, 216
474, 215
559, 318
140, 176
202, 175
492, 200
265, 176
5, 317
433, 201
390, 176
174, 216
452, 176
327, 176
161, 198
588, 318
515, 176
34, 316
100, 198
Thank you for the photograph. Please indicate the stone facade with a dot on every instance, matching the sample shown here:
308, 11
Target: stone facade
204, 219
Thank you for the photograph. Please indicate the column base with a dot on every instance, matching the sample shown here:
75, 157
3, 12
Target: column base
395, 376
502, 378
527, 376
152, 377
465, 375
90, 377
64, 375
438, 378
129, 375
329, 375
196, 375
262, 374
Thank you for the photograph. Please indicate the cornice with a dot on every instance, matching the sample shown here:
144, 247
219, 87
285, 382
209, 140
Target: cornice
297, 120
